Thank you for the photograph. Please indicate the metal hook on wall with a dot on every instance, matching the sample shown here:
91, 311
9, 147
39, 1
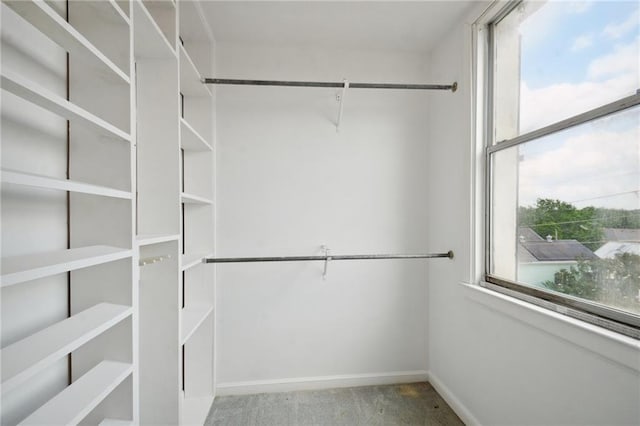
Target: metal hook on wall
151, 260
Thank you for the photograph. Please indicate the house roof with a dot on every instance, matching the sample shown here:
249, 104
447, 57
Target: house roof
524, 256
534, 248
622, 234
528, 234
610, 249
558, 250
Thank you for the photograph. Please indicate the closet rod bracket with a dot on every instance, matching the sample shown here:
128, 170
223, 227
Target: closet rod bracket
327, 258
340, 108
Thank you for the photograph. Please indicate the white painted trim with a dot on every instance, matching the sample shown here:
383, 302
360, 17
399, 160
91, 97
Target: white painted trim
606, 343
456, 405
321, 382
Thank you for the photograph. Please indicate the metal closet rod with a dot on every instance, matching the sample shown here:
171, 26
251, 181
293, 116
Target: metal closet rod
453, 87
325, 258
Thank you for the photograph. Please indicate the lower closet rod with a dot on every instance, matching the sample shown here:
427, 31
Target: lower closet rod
325, 258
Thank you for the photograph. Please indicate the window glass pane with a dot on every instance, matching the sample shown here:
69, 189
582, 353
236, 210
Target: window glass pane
566, 212
557, 59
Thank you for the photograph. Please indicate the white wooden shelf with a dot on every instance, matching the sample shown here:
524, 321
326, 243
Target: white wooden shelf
124, 7
190, 79
148, 239
195, 409
163, 13
73, 404
120, 11
29, 267
115, 422
39, 181
192, 317
50, 23
27, 357
44, 98
191, 260
190, 140
197, 29
150, 41
194, 199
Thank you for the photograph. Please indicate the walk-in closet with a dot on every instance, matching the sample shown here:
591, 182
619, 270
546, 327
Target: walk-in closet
309, 212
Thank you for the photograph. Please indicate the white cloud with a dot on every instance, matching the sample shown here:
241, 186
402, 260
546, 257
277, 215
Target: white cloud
619, 75
589, 163
624, 59
581, 42
541, 107
614, 31
578, 7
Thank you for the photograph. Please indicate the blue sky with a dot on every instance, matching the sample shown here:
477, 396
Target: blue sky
555, 58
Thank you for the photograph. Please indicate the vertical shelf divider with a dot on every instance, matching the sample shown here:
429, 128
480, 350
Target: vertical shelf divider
197, 142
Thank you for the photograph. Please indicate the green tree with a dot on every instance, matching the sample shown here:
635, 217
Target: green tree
563, 221
613, 282
618, 218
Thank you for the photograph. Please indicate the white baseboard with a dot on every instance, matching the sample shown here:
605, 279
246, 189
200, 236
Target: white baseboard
458, 407
322, 382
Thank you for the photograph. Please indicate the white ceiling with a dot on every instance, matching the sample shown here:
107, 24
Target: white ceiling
396, 25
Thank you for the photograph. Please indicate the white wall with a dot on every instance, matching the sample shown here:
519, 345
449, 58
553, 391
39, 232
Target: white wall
288, 183
498, 361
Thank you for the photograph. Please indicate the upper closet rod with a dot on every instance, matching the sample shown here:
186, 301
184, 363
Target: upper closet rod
326, 257
453, 87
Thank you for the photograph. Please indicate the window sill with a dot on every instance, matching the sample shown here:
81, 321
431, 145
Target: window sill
608, 344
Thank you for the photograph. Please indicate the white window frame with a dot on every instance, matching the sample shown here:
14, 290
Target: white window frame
484, 74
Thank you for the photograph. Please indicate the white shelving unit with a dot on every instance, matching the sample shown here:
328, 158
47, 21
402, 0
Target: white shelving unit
197, 316
73, 404
190, 79
191, 140
30, 179
108, 207
38, 95
25, 358
150, 40
158, 215
195, 199
114, 422
48, 21
149, 239
68, 210
191, 260
192, 318
29, 267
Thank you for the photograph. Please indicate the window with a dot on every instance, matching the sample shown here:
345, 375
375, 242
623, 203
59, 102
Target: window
563, 158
